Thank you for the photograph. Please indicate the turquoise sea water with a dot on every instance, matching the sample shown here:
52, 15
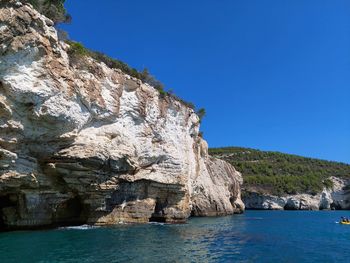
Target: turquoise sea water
256, 236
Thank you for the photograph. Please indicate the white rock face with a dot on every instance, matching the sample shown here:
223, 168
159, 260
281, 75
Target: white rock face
336, 198
340, 194
80, 142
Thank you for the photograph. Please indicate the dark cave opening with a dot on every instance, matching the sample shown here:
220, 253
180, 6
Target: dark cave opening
7, 202
158, 214
335, 206
70, 212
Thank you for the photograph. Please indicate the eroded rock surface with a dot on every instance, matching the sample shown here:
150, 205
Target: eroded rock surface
337, 198
83, 143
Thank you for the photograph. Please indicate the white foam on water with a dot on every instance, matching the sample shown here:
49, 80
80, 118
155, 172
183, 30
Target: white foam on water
82, 227
158, 223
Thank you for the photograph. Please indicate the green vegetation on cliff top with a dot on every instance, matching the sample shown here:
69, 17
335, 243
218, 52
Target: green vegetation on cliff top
278, 173
78, 50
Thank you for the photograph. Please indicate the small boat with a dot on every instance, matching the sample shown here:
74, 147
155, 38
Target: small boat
344, 223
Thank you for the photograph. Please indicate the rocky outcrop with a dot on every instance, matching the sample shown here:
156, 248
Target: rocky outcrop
336, 198
84, 143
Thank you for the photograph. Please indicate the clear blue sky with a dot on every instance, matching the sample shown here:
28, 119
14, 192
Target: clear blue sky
272, 75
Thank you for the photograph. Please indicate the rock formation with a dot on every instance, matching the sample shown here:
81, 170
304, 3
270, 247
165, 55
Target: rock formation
84, 143
337, 198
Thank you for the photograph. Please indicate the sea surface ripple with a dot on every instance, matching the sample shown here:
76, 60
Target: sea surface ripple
256, 236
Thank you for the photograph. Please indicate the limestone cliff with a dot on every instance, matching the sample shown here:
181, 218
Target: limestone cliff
337, 198
84, 143
276, 181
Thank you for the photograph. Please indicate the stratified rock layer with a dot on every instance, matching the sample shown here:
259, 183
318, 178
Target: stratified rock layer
337, 198
83, 143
